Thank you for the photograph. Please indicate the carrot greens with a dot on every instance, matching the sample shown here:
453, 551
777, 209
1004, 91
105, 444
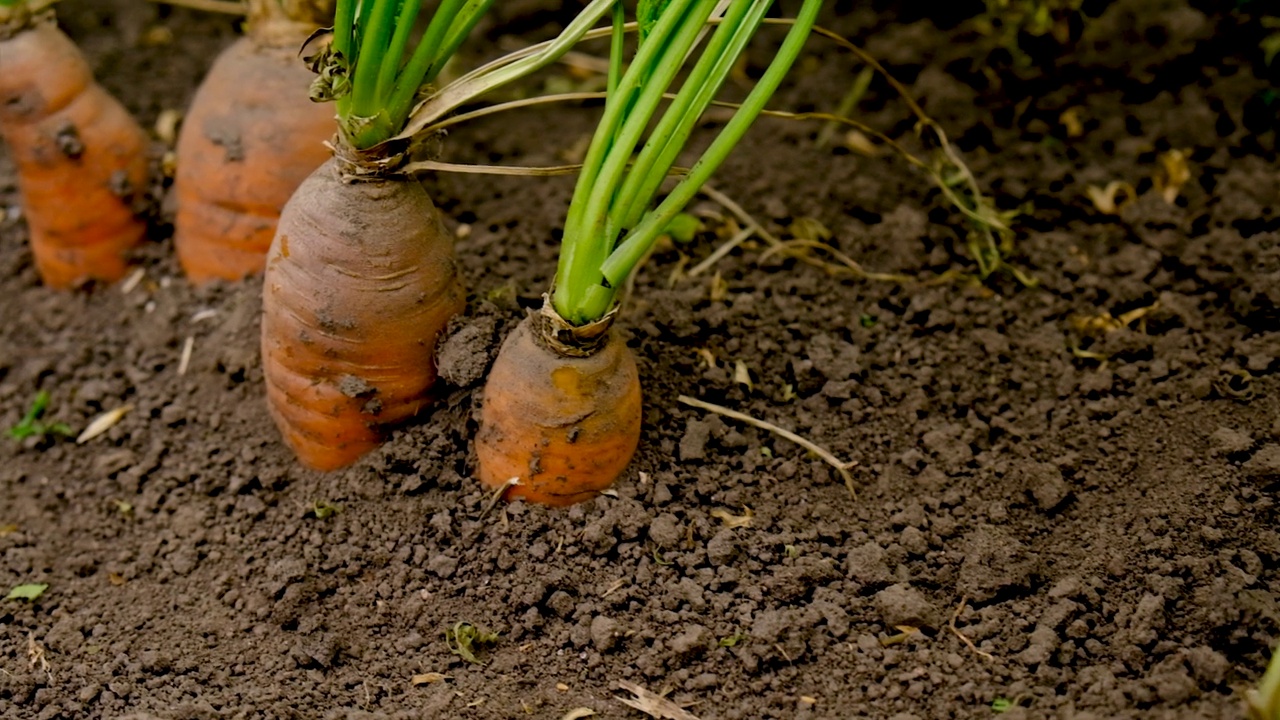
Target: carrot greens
612, 220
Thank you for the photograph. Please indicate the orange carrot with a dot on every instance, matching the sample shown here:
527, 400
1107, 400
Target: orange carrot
79, 155
561, 415
360, 279
351, 316
250, 138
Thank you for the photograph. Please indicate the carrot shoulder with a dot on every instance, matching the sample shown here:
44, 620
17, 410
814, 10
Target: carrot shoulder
360, 282
250, 138
80, 158
562, 422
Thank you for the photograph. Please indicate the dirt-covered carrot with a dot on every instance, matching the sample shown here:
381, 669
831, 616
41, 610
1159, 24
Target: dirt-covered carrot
561, 414
249, 140
80, 156
361, 277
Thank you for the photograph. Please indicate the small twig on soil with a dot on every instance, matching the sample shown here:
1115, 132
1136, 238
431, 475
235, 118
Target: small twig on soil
653, 704
742, 215
852, 265
185, 361
497, 495
725, 249
832, 460
956, 631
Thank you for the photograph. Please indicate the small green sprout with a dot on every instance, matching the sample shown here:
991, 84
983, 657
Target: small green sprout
29, 592
123, 507
323, 509
737, 637
32, 426
463, 639
792, 551
1001, 705
657, 557
868, 321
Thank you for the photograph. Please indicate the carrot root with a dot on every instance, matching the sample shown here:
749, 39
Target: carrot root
565, 427
244, 148
360, 282
80, 158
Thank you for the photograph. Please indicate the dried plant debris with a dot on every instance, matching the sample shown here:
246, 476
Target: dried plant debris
653, 704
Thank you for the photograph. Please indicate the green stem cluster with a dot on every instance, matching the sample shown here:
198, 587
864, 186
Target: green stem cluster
612, 221
373, 37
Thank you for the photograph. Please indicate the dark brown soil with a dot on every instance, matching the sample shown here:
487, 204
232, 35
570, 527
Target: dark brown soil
1103, 521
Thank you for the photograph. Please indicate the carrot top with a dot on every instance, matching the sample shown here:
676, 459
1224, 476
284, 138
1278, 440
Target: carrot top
370, 70
612, 222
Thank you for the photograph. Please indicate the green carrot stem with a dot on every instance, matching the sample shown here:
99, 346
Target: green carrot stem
637, 242
673, 131
617, 42
373, 48
655, 66
395, 51
461, 28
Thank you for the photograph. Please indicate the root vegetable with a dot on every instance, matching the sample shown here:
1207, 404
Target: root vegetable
361, 278
250, 138
563, 418
350, 316
561, 411
80, 156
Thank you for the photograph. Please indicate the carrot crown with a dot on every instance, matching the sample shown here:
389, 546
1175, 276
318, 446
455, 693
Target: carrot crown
378, 82
369, 68
611, 221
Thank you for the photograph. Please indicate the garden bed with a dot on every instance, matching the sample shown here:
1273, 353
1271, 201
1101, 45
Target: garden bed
1064, 493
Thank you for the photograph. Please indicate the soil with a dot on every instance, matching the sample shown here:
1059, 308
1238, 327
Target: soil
1058, 514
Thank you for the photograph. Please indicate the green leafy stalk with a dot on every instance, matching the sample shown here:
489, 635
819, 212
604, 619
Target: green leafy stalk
626, 116
611, 223
371, 49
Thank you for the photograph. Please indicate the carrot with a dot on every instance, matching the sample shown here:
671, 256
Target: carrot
561, 414
361, 278
249, 139
350, 317
575, 406
80, 156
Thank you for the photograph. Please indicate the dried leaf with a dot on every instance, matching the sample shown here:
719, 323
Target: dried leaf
742, 375
116, 579
103, 423
8, 529
579, 713
707, 356
733, 521
428, 678
1110, 199
652, 704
